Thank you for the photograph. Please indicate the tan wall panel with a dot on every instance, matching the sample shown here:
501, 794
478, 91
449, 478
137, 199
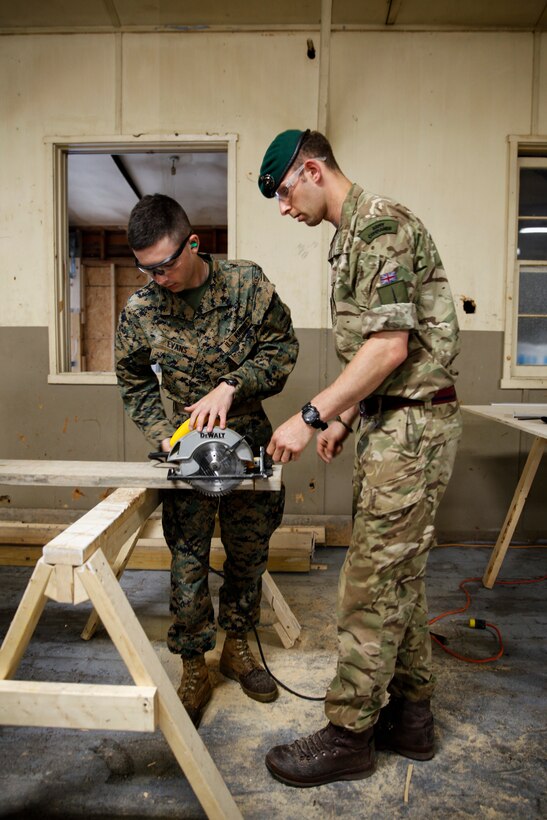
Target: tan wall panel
424, 117
542, 89
218, 12
48, 85
252, 85
426, 121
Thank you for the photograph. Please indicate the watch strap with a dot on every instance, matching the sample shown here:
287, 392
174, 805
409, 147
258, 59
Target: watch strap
317, 422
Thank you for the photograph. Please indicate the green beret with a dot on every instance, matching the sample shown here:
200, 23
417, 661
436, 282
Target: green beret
279, 157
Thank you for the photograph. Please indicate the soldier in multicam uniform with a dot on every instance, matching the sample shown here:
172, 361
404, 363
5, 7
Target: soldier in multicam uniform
397, 336
224, 341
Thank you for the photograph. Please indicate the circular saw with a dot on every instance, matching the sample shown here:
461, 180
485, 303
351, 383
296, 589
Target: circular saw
213, 462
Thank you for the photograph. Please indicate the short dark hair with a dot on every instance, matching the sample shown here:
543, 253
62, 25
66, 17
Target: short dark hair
314, 145
154, 217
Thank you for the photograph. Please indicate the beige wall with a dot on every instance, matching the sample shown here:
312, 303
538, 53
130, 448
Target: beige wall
429, 129
420, 116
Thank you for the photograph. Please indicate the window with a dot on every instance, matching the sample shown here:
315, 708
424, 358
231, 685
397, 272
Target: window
525, 360
95, 186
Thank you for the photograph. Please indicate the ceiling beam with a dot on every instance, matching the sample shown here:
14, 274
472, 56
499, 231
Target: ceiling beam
541, 23
393, 10
126, 175
112, 13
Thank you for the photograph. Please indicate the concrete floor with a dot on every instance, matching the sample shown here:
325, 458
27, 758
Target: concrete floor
490, 719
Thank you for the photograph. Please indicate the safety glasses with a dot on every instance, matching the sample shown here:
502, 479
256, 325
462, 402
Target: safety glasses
158, 268
284, 190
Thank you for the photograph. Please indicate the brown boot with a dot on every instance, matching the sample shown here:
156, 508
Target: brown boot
332, 753
195, 687
238, 663
406, 727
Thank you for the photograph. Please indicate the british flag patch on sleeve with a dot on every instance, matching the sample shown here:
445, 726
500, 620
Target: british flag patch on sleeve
388, 278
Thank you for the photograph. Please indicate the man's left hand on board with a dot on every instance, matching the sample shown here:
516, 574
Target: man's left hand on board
290, 439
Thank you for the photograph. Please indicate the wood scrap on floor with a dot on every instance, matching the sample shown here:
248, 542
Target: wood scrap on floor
291, 547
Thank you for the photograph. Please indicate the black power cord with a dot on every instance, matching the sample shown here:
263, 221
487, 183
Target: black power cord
280, 683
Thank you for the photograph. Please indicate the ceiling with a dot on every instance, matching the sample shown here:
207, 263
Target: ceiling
101, 191
108, 15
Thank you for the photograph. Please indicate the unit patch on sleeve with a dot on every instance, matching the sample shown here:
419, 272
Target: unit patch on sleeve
393, 292
377, 228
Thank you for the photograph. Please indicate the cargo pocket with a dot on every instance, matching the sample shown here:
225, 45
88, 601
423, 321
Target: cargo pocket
395, 495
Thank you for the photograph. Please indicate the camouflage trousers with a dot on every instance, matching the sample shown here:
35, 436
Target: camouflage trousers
247, 519
402, 468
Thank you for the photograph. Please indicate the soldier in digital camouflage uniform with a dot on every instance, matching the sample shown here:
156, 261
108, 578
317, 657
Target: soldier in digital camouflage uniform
224, 341
396, 336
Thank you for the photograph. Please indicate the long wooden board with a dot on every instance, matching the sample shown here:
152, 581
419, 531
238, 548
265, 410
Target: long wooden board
135, 474
291, 548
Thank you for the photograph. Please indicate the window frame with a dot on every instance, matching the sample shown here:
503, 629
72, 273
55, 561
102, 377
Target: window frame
524, 151
58, 149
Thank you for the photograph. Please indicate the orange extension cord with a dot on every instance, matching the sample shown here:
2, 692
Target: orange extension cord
476, 623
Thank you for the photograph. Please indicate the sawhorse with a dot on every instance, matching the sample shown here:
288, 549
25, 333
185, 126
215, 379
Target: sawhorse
80, 564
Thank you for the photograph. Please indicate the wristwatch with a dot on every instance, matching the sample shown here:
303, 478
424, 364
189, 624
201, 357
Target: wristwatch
231, 382
310, 415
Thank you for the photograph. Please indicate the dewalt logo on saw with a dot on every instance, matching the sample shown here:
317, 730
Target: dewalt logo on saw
212, 435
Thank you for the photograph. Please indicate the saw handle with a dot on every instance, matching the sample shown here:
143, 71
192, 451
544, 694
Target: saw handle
158, 455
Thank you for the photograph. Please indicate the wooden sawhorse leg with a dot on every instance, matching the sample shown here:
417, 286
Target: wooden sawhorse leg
77, 568
513, 515
287, 626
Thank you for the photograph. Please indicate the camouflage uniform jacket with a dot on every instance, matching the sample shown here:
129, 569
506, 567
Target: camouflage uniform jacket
387, 275
241, 328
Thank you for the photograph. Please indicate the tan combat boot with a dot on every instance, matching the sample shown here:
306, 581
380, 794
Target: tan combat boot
238, 663
195, 687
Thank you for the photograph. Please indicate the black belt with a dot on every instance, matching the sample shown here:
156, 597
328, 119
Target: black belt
373, 405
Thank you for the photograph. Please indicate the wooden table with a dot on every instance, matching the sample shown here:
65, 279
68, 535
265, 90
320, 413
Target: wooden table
505, 414
85, 562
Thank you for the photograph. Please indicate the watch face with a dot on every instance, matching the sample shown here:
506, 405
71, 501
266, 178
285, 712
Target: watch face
310, 414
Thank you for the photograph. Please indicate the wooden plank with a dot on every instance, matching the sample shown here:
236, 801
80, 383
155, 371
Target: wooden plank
157, 558
25, 619
25, 532
60, 586
513, 514
19, 556
153, 529
118, 566
21, 532
287, 627
146, 670
132, 474
505, 414
289, 552
78, 706
107, 526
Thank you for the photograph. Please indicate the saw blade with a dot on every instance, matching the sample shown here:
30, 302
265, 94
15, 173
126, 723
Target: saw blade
215, 461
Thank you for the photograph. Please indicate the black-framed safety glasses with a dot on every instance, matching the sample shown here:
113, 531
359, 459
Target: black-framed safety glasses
158, 268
